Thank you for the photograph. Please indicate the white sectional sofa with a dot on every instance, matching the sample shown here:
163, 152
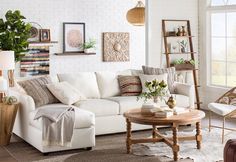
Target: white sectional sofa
101, 113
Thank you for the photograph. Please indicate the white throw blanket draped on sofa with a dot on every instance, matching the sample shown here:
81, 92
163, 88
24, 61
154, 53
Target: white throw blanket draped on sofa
57, 125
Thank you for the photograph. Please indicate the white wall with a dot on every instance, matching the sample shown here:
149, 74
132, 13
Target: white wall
99, 16
168, 9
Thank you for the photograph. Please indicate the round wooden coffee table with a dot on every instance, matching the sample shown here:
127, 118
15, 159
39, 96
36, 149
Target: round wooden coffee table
191, 117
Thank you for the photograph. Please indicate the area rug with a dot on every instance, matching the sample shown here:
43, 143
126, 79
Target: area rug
109, 148
211, 147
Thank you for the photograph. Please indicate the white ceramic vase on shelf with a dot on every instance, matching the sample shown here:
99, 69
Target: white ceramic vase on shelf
89, 50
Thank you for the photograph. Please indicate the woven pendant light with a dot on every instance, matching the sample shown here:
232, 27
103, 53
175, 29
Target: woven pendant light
136, 15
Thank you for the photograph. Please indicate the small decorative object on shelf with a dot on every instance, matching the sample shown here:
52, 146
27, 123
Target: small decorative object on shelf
155, 91
171, 102
182, 64
45, 35
184, 32
170, 33
89, 46
9, 100
34, 32
183, 46
179, 33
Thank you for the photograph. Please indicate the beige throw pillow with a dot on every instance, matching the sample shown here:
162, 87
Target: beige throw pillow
37, 89
150, 78
66, 93
157, 71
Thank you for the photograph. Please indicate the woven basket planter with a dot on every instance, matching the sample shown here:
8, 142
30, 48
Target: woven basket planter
187, 66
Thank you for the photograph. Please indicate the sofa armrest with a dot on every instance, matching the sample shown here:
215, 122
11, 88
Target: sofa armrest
22, 118
26, 102
186, 90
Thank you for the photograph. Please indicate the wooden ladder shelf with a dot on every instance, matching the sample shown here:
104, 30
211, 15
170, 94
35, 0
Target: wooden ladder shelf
191, 52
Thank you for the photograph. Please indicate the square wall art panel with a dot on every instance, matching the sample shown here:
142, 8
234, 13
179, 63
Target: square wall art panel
116, 47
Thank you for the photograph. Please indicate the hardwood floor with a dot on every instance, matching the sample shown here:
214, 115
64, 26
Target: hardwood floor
6, 154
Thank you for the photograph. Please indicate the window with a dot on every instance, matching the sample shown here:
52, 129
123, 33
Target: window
223, 43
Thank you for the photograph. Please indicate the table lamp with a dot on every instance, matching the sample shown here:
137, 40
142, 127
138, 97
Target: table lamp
7, 62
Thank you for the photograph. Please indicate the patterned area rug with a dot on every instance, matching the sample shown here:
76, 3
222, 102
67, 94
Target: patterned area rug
211, 148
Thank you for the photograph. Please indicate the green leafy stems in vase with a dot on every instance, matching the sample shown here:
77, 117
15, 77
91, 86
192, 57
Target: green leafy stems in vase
154, 90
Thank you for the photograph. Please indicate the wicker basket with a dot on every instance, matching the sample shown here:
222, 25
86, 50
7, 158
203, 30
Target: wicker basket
186, 66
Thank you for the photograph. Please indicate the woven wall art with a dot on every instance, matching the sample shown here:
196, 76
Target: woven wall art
116, 47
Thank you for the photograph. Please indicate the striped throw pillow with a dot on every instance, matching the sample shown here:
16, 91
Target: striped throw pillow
129, 85
157, 71
37, 89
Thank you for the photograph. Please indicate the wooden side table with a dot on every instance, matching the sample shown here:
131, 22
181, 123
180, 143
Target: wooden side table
7, 119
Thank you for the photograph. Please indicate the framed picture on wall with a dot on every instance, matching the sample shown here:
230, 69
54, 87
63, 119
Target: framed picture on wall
73, 37
45, 35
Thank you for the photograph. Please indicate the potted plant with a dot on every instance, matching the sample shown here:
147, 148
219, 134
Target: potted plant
14, 33
89, 46
182, 64
183, 46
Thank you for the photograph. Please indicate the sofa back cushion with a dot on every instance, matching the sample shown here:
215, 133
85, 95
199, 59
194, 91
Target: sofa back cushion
108, 84
37, 89
157, 71
85, 82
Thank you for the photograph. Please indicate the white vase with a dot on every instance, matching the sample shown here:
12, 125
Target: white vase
89, 50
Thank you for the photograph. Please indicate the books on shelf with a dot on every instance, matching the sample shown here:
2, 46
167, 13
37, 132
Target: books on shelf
35, 61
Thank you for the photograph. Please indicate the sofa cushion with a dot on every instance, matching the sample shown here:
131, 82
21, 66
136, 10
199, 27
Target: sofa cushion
100, 107
65, 92
221, 109
108, 84
85, 82
129, 85
130, 102
37, 89
83, 118
126, 102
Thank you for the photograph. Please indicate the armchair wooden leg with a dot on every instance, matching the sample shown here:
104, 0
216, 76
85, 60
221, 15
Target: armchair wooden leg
223, 130
209, 121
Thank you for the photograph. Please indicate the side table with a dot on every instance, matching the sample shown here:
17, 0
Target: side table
7, 119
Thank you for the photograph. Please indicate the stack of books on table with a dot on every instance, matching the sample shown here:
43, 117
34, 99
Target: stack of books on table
180, 110
164, 113
148, 109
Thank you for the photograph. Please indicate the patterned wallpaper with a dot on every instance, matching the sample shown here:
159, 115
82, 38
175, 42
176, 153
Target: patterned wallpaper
99, 15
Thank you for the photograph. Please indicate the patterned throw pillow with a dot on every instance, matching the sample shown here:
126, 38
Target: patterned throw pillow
129, 85
37, 89
157, 71
228, 98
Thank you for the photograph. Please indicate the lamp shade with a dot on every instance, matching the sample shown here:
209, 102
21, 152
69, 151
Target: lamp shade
7, 60
136, 15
